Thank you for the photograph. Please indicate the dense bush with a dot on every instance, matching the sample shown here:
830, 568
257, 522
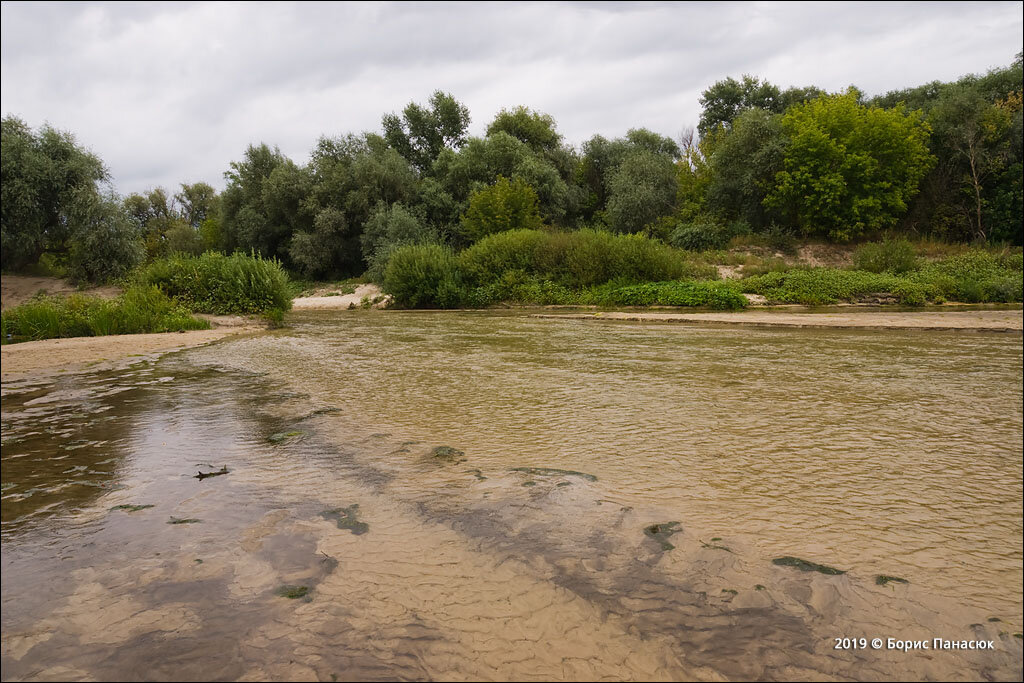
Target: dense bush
215, 283
505, 205
139, 309
975, 276
423, 276
702, 234
890, 256
719, 295
577, 260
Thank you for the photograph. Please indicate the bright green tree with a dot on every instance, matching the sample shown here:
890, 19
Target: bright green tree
849, 170
506, 205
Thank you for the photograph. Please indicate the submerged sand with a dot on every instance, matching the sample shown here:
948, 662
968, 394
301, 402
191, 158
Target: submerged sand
52, 356
970, 320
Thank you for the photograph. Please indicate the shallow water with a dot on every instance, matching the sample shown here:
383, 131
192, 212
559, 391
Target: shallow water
876, 452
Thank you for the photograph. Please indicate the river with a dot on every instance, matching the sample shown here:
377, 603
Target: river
493, 496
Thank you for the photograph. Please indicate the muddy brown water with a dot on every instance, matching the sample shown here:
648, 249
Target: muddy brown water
345, 543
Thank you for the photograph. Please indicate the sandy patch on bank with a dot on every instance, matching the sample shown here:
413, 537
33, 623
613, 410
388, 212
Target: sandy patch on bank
973, 320
53, 356
17, 289
342, 301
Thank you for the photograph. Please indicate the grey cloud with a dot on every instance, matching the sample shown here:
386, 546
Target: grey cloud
172, 92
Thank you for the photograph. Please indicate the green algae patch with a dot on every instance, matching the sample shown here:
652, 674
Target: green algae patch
183, 520
662, 532
448, 454
280, 437
549, 471
131, 508
206, 475
758, 587
882, 579
715, 546
529, 483
478, 474
730, 591
346, 519
805, 566
292, 592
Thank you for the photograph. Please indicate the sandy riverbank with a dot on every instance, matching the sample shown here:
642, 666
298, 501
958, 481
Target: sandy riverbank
53, 356
969, 320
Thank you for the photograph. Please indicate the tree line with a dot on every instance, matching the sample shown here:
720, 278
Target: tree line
942, 159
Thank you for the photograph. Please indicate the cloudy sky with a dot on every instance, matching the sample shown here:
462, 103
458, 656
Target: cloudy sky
171, 93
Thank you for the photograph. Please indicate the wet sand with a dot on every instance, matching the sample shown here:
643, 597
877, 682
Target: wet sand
968, 321
51, 356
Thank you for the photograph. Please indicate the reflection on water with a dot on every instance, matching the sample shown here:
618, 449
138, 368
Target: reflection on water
519, 551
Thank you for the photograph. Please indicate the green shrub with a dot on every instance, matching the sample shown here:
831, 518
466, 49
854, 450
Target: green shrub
577, 260
506, 205
139, 309
215, 283
890, 256
975, 276
718, 295
702, 234
818, 286
423, 276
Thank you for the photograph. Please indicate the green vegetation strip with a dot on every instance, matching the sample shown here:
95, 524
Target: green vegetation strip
138, 310
550, 471
292, 592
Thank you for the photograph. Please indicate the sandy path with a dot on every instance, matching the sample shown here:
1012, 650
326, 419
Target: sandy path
51, 356
973, 320
342, 302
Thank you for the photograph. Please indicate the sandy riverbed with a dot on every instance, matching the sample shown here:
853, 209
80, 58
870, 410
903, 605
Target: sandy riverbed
52, 356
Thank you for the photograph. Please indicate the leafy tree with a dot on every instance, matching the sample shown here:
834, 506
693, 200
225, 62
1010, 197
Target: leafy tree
56, 200
723, 101
506, 205
534, 129
105, 242
421, 133
388, 229
977, 135
197, 202
642, 189
849, 169
743, 165
243, 215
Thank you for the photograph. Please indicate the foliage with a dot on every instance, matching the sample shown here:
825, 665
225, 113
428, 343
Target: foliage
215, 283
105, 243
506, 205
388, 229
54, 202
536, 130
975, 276
717, 295
642, 189
421, 133
423, 276
702, 234
725, 100
577, 259
849, 170
139, 309
743, 164
890, 256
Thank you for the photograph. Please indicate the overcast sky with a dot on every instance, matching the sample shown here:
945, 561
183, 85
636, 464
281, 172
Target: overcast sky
171, 93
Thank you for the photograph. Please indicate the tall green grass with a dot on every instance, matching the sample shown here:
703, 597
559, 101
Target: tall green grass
215, 283
139, 309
